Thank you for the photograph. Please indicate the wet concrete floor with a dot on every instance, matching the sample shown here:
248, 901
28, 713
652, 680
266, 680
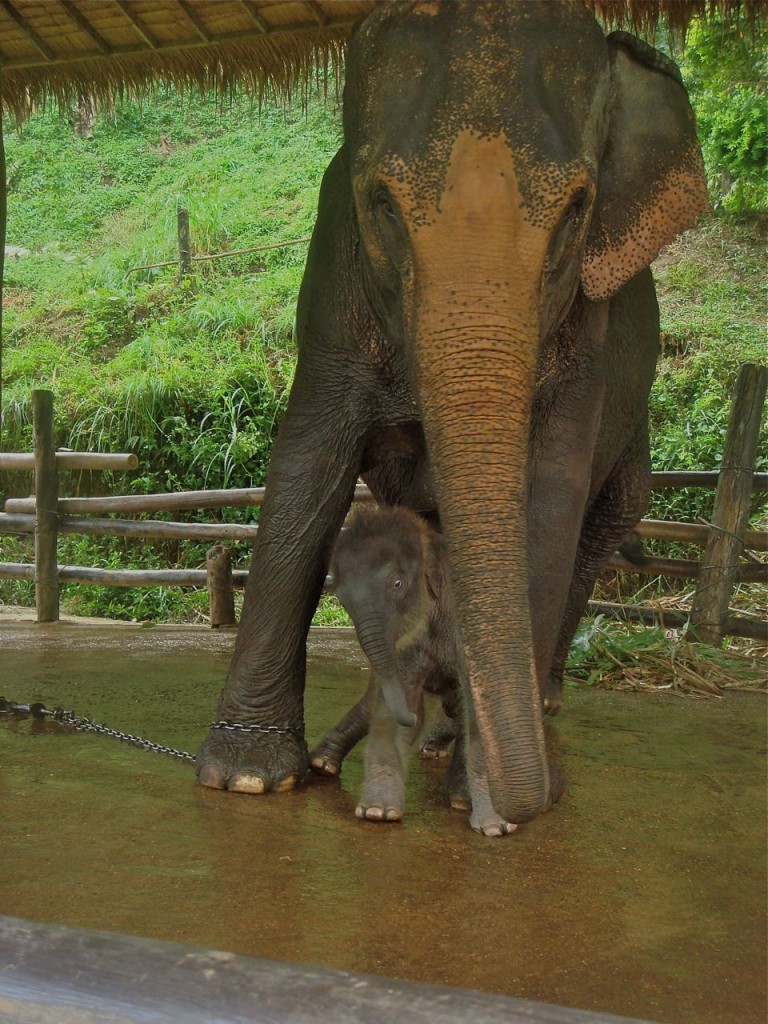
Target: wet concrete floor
643, 894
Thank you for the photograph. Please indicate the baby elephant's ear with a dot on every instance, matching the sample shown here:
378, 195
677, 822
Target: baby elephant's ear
651, 180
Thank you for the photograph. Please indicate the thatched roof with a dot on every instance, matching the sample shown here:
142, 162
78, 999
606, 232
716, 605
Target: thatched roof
69, 48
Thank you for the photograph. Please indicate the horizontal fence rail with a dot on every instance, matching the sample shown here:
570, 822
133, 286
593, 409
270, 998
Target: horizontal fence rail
658, 529
117, 461
242, 497
45, 515
662, 479
150, 529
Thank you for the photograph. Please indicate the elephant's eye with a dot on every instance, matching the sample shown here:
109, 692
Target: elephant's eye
383, 201
397, 583
575, 208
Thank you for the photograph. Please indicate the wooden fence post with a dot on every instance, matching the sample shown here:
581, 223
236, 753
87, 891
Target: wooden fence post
221, 595
46, 509
185, 244
720, 561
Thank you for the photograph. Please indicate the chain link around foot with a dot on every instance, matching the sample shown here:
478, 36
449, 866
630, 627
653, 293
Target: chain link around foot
64, 717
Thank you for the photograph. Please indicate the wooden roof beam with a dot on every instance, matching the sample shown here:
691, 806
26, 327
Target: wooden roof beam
42, 48
136, 49
73, 13
137, 23
195, 21
254, 15
317, 11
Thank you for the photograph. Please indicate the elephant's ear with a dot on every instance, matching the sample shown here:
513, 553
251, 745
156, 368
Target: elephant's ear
652, 184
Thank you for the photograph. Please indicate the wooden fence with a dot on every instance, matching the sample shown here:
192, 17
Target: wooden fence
725, 540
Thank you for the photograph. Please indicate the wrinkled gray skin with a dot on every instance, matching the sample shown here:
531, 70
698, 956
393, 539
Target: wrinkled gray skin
477, 332
391, 573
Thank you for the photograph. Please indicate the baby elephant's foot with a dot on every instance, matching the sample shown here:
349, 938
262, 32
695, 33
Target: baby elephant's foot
327, 756
383, 795
324, 763
491, 824
438, 741
378, 812
460, 802
433, 749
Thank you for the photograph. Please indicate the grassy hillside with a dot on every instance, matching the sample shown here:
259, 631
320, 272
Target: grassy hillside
193, 375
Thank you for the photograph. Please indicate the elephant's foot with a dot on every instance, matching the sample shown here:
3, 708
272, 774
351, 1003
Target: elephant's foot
456, 781
460, 802
378, 812
326, 757
383, 795
323, 763
491, 824
483, 817
438, 740
433, 749
252, 762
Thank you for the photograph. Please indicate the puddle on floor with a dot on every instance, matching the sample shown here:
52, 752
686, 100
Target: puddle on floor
643, 894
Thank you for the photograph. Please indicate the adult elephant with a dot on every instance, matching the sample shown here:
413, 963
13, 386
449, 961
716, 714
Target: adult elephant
477, 333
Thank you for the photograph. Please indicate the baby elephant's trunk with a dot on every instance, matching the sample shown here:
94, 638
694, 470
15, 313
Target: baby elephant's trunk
372, 638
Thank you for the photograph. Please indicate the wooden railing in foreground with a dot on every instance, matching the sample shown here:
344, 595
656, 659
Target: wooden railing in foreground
51, 974
46, 515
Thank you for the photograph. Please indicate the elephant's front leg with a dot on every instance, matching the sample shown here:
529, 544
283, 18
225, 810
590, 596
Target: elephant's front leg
386, 761
483, 818
309, 489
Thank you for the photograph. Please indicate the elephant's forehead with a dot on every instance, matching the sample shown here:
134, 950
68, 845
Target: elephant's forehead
534, 73
384, 552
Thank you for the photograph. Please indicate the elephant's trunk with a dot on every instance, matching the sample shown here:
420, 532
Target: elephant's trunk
475, 319
478, 429
372, 636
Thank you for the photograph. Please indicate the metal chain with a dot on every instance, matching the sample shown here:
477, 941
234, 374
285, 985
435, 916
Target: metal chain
275, 730
86, 725
63, 717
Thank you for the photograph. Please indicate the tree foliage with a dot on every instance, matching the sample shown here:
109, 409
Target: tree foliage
725, 67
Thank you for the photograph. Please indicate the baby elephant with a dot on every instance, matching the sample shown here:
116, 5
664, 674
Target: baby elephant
391, 574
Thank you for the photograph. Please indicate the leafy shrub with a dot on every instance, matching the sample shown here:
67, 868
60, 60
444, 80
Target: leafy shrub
725, 66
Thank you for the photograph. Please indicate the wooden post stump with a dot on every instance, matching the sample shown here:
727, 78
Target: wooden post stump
221, 595
720, 561
185, 245
46, 509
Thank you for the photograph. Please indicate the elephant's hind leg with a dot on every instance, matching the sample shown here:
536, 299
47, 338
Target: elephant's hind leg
613, 514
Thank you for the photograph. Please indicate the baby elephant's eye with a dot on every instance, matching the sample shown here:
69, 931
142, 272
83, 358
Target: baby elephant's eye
398, 582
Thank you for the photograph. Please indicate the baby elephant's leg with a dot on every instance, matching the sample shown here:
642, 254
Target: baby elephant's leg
389, 744
440, 736
326, 757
